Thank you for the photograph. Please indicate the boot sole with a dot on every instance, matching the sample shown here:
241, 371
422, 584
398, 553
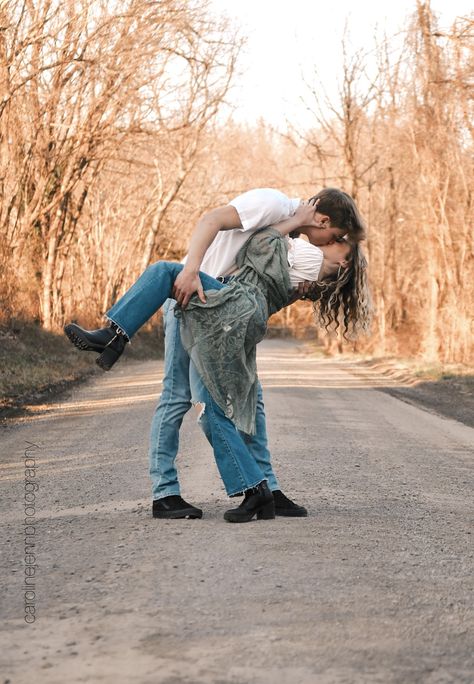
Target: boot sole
79, 342
107, 359
288, 513
190, 513
266, 512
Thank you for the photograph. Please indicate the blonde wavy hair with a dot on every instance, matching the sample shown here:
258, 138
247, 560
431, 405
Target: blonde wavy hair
345, 300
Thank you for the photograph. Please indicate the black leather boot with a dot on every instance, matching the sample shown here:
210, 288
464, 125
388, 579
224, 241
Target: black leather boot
108, 342
257, 501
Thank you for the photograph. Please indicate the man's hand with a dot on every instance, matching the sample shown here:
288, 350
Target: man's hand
185, 285
303, 289
300, 292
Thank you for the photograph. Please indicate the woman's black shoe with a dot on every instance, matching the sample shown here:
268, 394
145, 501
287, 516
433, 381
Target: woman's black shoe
173, 507
257, 501
108, 342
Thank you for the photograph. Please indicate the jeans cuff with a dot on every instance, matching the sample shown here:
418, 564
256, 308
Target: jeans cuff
168, 492
241, 492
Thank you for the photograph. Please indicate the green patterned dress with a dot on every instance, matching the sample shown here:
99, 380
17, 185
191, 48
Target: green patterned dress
221, 335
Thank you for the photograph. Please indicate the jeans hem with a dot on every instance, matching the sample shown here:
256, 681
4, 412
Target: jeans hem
242, 491
175, 492
120, 330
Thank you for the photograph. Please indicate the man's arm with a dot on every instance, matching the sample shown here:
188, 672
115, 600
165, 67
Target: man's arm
188, 282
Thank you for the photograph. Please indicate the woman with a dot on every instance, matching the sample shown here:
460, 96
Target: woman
221, 334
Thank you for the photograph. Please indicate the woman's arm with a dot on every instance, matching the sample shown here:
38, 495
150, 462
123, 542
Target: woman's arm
303, 216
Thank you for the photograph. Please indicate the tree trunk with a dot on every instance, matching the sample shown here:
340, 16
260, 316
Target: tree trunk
46, 304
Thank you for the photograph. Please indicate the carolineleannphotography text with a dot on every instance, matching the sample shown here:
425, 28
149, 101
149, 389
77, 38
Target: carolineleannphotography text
30, 503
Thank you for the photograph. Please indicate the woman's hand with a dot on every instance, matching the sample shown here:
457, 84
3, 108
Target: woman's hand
300, 292
305, 214
303, 289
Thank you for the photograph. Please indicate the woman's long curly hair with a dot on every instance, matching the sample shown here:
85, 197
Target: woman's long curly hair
345, 301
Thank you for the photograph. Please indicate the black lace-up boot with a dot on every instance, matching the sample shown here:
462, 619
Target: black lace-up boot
286, 507
109, 342
257, 501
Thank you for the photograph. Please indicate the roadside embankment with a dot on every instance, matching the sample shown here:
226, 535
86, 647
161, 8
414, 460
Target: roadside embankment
36, 365
447, 390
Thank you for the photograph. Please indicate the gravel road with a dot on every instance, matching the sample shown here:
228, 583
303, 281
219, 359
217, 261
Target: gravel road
375, 586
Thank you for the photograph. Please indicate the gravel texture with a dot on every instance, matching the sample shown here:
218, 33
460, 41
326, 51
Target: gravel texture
375, 586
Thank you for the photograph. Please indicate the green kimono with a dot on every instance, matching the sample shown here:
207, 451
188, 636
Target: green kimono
221, 335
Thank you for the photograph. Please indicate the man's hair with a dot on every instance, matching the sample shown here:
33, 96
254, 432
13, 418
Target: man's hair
342, 212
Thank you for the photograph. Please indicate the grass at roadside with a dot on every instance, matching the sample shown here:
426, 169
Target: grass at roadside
446, 389
36, 364
417, 368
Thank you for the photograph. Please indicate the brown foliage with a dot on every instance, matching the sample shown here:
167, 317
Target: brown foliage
402, 142
89, 88
110, 149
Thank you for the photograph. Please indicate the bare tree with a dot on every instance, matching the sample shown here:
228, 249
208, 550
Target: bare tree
77, 78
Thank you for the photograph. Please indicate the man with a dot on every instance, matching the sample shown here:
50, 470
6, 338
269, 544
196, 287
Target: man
214, 244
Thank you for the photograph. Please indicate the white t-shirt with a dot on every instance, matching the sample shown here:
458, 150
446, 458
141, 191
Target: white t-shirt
257, 208
260, 208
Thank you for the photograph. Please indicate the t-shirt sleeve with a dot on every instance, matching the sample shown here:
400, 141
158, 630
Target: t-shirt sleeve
262, 207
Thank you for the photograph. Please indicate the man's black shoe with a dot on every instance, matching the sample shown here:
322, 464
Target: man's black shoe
257, 501
108, 342
175, 506
285, 506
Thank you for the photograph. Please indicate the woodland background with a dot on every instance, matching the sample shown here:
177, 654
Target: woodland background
115, 137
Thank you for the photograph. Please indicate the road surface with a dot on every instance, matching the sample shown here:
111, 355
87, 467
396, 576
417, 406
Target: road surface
375, 586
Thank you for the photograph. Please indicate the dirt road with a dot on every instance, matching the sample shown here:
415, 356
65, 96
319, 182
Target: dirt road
374, 586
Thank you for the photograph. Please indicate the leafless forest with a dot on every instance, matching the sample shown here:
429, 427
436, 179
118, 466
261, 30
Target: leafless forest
115, 137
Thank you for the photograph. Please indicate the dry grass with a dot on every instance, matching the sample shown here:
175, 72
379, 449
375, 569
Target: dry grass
107, 161
36, 364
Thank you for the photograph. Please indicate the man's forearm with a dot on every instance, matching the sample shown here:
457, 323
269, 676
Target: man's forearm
188, 282
202, 237
222, 218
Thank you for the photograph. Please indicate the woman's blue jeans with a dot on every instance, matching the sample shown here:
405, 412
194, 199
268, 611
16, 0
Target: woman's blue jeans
243, 461
148, 294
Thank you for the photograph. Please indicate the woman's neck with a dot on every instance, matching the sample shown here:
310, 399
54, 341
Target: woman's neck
327, 269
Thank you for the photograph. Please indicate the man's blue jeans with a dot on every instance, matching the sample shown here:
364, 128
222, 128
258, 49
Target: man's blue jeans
182, 385
243, 460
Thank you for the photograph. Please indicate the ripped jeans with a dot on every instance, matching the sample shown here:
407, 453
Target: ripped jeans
243, 460
238, 469
181, 385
